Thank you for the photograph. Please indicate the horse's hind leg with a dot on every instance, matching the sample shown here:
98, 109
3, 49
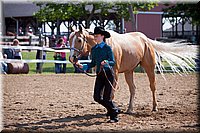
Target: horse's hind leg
148, 63
132, 87
152, 81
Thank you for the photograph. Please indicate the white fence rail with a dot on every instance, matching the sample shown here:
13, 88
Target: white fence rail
23, 40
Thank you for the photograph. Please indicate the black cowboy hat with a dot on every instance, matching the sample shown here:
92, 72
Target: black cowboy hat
100, 30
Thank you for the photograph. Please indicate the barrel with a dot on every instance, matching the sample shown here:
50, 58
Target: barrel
25, 69
18, 68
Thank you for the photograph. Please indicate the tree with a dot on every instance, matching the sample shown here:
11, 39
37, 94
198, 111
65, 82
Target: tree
128, 9
56, 13
71, 11
187, 10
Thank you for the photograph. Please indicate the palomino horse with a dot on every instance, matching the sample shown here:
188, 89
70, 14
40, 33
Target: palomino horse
131, 49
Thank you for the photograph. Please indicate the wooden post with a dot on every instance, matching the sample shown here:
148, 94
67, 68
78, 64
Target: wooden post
30, 39
130, 9
40, 54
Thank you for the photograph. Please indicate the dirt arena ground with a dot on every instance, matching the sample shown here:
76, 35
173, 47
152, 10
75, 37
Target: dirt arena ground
60, 103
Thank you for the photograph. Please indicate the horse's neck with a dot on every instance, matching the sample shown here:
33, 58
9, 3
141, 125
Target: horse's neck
91, 41
109, 41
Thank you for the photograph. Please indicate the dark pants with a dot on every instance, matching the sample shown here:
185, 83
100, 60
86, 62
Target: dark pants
39, 65
17, 57
103, 91
60, 67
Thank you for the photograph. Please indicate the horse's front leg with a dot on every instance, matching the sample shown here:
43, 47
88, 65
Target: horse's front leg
132, 87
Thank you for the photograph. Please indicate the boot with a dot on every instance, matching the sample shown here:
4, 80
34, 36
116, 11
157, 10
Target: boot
113, 118
118, 111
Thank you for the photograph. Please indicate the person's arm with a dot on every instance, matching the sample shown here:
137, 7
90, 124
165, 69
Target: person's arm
111, 59
92, 63
89, 65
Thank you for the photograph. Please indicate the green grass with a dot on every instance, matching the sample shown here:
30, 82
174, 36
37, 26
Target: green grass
48, 68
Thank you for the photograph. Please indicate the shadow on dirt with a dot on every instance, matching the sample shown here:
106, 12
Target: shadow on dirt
72, 120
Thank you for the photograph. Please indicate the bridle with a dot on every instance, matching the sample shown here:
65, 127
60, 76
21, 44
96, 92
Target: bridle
80, 51
84, 42
82, 45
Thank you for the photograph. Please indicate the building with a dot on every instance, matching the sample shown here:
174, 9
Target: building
18, 15
150, 22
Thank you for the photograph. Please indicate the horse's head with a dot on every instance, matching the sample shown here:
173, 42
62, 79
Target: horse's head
80, 43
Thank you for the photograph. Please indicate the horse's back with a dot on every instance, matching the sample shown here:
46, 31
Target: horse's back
137, 34
130, 47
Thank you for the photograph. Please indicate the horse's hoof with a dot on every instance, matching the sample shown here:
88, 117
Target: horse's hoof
154, 110
130, 112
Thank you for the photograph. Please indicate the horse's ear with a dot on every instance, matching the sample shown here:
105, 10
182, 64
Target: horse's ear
90, 31
72, 28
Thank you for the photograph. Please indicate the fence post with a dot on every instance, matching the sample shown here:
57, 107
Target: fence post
39, 56
30, 39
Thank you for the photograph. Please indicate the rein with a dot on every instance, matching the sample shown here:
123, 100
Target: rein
88, 74
113, 76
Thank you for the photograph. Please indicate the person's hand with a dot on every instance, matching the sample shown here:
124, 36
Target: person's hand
79, 65
103, 62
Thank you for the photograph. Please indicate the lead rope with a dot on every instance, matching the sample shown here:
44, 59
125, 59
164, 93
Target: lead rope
94, 75
113, 76
88, 74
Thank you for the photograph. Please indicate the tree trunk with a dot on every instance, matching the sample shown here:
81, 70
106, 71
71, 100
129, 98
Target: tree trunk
58, 26
176, 27
3, 27
52, 27
197, 34
87, 25
122, 26
130, 9
183, 30
116, 22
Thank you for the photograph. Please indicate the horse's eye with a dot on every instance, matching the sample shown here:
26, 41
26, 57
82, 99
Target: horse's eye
79, 40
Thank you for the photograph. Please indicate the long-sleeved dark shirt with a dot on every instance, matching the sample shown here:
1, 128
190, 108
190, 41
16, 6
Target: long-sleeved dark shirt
99, 53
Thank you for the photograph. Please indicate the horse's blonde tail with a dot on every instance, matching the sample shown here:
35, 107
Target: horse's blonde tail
179, 56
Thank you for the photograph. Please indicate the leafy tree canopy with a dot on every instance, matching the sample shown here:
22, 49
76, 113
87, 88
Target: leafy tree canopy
189, 10
70, 10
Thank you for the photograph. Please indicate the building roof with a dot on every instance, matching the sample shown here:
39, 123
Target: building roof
19, 9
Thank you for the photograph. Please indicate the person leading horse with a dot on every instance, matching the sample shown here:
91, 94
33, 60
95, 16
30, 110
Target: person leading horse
103, 59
